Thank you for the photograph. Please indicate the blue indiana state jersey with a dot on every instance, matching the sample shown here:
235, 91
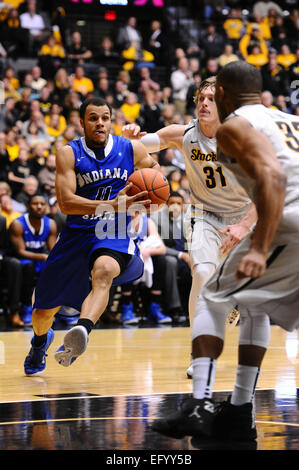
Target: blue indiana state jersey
101, 178
35, 242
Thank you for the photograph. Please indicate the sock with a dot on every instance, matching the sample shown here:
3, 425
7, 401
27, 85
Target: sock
157, 298
245, 384
88, 324
39, 340
204, 369
126, 299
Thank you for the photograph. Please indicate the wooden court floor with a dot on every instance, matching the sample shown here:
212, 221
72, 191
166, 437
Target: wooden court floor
127, 378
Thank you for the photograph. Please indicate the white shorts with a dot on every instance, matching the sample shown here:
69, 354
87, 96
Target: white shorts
204, 239
276, 293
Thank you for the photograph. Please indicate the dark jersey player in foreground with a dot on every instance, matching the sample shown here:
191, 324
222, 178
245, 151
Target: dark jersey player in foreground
94, 250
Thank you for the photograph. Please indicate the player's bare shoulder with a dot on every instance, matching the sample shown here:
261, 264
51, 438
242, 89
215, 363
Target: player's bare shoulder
65, 157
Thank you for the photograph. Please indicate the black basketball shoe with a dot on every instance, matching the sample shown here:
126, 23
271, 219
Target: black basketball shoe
194, 418
234, 422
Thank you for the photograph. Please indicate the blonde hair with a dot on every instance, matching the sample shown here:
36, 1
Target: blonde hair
209, 82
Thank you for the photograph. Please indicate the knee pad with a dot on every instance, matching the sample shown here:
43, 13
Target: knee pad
201, 273
254, 328
209, 320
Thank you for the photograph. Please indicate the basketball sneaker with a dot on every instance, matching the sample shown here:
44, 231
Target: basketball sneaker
234, 422
27, 315
189, 372
35, 361
127, 315
156, 315
74, 344
195, 418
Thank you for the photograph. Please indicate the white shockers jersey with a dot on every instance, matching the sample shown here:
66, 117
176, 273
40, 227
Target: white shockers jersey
283, 132
211, 184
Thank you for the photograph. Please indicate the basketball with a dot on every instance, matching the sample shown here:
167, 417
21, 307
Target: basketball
151, 180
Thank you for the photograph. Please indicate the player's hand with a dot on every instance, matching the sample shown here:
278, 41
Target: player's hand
123, 201
185, 257
253, 265
234, 234
132, 131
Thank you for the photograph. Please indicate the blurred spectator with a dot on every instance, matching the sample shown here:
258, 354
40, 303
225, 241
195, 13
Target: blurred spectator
118, 122
11, 144
47, 175
256, 57
103, 88
82, 84
190, 105
211, 42
34, 130
6, 189
56, 110
13, 80
4, 158
19, 171
34, 23
150, 117
51, 56
281, 104
157, 43
181, 79
211, 68
38, 157
77, 52
62, 85
120, 92
275, 78
267, 99
13, 36
7, 209
131, 108
285, 57
227, 56
106, 54
234, 27
248, 41
30, 187
72, 102
45, 101
23, 105
264, 29
128, 36
262, 8
74, 121
279, 33
10, 115
38, 82
145, 81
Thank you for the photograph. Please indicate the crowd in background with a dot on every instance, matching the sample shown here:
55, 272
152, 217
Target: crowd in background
147, 78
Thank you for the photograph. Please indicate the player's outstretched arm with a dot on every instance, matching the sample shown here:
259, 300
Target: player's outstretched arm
167, 137
255, 154
142, 159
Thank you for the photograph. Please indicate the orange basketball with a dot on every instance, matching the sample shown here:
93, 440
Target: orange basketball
151, 180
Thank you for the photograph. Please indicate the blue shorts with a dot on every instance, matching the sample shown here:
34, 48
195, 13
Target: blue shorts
66, 278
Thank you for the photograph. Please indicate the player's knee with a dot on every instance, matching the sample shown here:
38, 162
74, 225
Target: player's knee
104, 271
208, 321
254, 329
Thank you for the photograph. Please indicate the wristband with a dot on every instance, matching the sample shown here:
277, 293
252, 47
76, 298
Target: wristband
151, 142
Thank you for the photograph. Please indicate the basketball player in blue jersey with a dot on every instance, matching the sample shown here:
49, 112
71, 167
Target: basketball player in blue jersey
33, 236
94, 250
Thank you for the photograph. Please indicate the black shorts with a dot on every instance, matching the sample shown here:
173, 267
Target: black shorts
122, 258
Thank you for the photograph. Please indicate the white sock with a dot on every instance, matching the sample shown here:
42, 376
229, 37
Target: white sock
245, 384
204, 369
